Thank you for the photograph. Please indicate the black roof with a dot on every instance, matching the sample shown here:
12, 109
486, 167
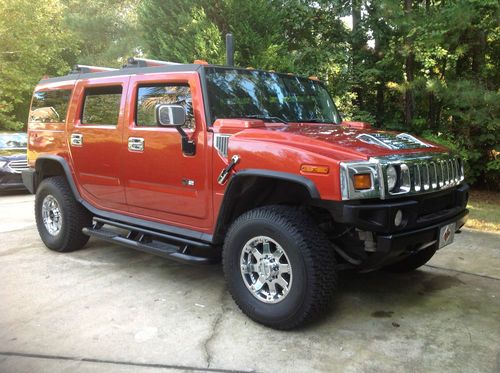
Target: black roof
125, 71
145, 70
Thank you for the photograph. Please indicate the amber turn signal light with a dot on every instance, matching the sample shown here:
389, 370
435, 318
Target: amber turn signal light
362, 181
314, 169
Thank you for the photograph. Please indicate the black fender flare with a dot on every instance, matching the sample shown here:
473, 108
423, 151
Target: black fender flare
64, 165
229, 198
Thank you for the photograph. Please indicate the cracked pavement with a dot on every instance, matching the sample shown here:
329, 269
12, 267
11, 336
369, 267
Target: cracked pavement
112, 309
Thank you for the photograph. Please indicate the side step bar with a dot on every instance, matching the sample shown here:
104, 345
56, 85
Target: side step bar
161, 244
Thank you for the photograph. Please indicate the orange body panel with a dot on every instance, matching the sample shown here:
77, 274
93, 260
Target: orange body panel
156, 180
163, 185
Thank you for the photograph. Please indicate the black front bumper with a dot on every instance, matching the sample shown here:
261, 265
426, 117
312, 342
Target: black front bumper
419, 237
395, 247
423, 217
418, 211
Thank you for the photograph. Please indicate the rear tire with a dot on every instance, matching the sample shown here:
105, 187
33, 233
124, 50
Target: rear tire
59, 216
413, 261
294, 278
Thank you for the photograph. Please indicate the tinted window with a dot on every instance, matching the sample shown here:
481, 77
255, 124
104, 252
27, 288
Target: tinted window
235, 93
102, 105
151, 96
50, 106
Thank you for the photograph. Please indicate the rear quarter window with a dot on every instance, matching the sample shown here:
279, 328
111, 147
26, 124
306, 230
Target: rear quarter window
101, 105
50, 106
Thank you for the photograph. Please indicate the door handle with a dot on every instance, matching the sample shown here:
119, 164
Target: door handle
136, 144
76, 139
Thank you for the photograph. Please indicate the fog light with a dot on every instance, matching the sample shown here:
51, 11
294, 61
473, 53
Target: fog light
398, 218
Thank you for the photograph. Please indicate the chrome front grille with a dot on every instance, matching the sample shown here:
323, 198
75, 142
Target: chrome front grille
416, 174
18, 166
451, 174
437, 175
421, 174
221, 143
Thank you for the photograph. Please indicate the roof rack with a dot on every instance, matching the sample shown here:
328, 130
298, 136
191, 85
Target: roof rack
145, 62
85, 69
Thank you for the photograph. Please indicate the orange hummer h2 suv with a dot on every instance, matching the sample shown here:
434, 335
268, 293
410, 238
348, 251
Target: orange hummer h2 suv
201, 163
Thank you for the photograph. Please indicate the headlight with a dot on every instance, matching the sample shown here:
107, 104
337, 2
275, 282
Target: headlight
2, 163
392, 177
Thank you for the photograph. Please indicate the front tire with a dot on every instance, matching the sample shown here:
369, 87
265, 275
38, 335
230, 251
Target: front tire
59, 216
279, 267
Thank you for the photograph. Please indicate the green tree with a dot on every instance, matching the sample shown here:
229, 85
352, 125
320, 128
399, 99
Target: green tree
32, 43
180, 31
185, 30
105, 31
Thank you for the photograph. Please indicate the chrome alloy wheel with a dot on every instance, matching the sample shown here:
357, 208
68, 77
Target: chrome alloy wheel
266, 269
51, 215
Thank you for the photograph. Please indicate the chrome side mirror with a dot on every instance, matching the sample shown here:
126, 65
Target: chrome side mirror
170, 115
175, 116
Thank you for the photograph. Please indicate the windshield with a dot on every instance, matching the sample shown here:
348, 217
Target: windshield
13, 140
236, 93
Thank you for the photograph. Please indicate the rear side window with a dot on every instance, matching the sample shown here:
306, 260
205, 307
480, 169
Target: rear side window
50, 106
101, 105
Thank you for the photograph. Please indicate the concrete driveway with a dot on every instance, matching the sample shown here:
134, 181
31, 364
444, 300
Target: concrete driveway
112, 309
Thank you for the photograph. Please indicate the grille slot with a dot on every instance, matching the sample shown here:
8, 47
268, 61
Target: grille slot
18, 166
221, 144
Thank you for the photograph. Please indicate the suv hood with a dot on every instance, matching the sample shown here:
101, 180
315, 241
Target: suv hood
339, 141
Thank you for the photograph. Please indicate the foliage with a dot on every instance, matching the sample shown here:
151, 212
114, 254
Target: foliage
426, 66
105, 31
33, 43
185, 30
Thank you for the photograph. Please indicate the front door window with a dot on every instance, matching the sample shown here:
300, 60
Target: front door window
148, 97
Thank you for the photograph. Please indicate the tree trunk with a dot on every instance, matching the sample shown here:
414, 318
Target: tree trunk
478, 53
357, 45
380, 104
377, 35
409, 70
432, 100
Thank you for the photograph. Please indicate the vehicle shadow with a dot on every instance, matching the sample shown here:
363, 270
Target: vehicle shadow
17, 192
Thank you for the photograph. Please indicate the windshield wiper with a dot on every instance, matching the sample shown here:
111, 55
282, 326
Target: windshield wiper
316, 120
264, 117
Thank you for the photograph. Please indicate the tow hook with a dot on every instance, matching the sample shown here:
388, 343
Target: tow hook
224, 175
